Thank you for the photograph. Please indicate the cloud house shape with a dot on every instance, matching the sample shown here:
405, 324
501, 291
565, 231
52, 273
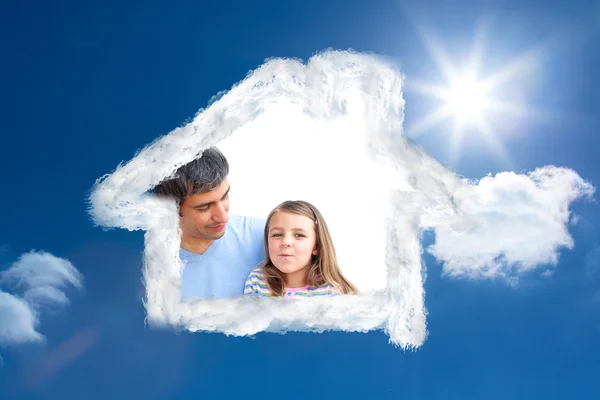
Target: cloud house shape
357, 96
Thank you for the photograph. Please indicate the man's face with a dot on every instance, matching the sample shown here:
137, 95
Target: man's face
205, 215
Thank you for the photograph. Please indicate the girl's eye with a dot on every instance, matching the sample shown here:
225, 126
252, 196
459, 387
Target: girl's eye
276, 234
300, 235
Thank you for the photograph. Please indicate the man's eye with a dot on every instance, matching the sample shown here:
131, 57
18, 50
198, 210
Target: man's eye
202, 209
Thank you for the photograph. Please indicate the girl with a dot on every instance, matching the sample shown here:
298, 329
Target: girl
300, 257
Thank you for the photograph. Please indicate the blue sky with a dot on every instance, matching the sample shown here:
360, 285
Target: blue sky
85, 86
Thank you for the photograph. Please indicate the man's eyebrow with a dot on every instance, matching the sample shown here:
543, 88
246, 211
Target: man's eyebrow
211, 202
226, 193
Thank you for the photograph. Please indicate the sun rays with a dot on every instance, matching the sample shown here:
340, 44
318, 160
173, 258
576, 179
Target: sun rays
469, 99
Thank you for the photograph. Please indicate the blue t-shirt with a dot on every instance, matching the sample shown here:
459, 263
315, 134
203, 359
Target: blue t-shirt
223, 268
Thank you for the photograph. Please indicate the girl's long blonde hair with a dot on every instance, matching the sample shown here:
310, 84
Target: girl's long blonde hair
323, 267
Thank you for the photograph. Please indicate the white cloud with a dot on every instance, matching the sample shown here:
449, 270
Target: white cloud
40, 279
18, 321
509, 223
312, 132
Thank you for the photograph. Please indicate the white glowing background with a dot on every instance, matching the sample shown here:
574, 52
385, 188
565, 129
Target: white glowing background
286, 155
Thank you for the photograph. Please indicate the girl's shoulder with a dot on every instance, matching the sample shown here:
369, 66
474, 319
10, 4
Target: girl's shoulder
256, 284
257, 273
325, 289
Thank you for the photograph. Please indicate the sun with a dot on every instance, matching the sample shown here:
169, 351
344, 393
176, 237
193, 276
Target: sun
468, 98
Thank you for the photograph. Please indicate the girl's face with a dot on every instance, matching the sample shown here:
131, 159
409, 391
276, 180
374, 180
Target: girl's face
292, 243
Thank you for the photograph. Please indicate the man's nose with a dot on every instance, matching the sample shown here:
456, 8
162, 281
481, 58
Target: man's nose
221, 214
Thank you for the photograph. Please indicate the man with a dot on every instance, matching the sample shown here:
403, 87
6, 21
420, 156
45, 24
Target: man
218, 251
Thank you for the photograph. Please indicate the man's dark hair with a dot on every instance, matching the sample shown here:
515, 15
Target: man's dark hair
202, 175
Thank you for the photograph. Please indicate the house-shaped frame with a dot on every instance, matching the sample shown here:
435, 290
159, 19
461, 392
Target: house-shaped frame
324, 85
